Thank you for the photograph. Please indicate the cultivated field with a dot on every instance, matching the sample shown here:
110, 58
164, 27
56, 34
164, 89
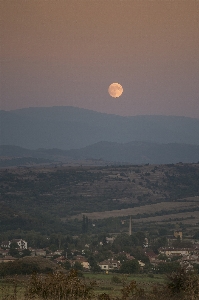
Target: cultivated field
58, 195
163, 207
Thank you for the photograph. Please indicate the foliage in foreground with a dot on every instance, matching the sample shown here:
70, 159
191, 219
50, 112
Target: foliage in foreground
58, 286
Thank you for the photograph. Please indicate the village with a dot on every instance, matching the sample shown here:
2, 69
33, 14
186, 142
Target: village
80, 259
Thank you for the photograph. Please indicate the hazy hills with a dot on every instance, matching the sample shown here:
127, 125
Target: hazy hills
69, 128
138, 153
109, 152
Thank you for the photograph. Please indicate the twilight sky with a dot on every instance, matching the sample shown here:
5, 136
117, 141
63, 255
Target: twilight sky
67, 52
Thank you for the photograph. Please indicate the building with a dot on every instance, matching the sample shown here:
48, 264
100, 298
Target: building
85, 264
21, 243
7, 259
4, 252
5, 244
83, 261
175, 251
38, 252
141, 263
109, 265
110, 240
177, 234
151, 255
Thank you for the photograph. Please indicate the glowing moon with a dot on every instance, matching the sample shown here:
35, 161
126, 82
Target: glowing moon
115, 90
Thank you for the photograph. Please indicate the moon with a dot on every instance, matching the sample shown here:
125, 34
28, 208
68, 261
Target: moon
115, 90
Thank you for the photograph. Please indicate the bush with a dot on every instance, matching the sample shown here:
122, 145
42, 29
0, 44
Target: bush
59, 286
17, 267
26, 265
116, 279
185, 284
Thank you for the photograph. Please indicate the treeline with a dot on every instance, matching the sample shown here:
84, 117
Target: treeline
19, 267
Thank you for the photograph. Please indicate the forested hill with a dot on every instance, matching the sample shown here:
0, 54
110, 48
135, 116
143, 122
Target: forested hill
69, 127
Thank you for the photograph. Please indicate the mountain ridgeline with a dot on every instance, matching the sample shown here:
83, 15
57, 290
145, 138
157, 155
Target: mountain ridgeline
103, 153
74, 128
65, 134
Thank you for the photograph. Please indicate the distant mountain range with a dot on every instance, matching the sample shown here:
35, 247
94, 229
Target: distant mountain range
74, 128
138, 153
107, 152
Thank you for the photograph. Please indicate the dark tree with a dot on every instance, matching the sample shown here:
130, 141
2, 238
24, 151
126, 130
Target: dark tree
129, 267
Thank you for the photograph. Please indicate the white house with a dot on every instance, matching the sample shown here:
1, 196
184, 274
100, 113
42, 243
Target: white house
109, 265
21, 243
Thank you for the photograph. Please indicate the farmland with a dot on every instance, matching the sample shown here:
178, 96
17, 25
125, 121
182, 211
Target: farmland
53, 199
104, 284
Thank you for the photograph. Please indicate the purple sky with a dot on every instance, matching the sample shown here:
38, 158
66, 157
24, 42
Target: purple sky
68, 52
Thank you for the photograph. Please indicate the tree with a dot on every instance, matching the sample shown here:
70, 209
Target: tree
26, 252
84, 224
93, 264
130, 267
122, 258
14, 245
168, 267
59, 286
78, 266
141, 237
115, 279
123, 242
67, 265
196, 235
183, 284
14, 249
160, 242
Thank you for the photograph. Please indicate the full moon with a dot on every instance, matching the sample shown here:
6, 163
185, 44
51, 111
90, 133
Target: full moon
115, 90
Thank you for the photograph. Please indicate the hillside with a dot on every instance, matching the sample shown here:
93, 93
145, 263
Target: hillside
73, 128
41, 198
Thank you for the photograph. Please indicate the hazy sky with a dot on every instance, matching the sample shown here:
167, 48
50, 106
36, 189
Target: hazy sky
67, 52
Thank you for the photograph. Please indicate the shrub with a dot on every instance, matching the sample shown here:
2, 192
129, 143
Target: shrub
116, 279
59, 286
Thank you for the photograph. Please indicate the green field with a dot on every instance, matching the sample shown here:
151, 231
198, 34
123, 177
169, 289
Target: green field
16, 289
106, 284
10, 289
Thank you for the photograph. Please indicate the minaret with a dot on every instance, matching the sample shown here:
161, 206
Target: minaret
130, 227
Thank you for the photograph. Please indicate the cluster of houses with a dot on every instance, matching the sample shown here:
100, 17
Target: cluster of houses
57, 256
21, 244
5, 248
187, 257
